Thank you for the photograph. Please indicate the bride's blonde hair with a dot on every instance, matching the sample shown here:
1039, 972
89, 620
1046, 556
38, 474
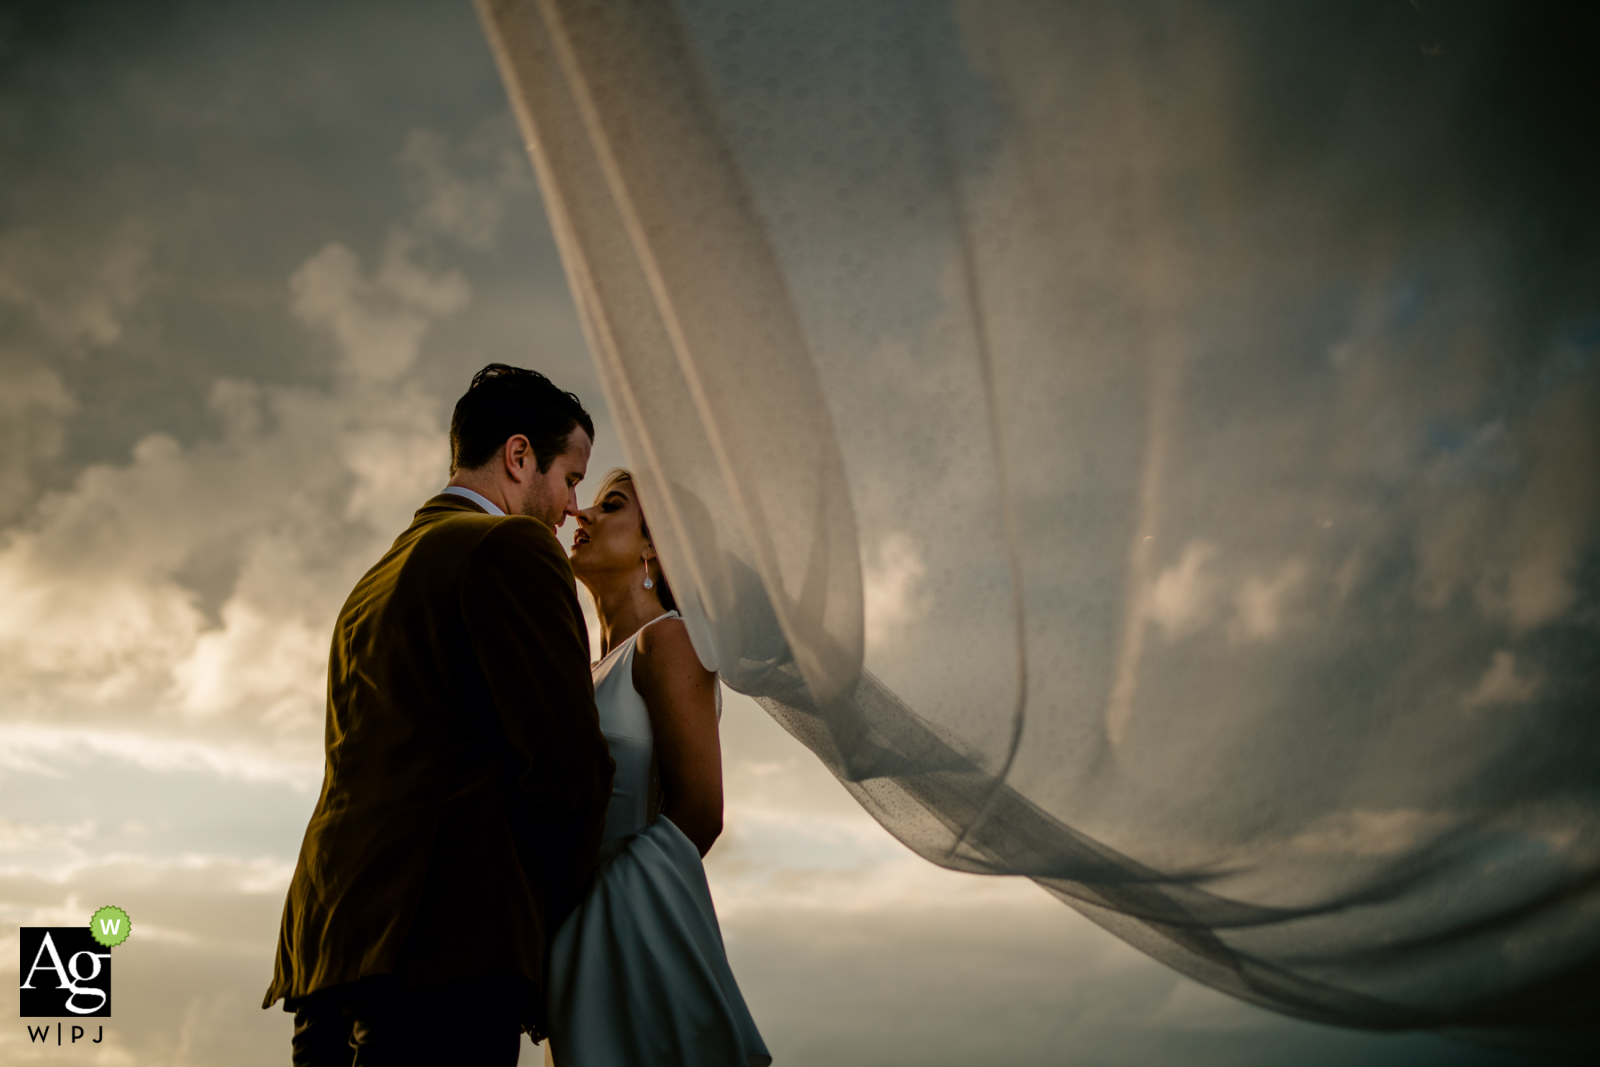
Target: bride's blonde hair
623, 474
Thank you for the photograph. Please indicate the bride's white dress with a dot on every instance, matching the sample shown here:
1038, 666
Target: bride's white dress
638, 974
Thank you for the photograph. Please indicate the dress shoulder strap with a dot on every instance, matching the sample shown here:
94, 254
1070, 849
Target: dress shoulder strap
671, 613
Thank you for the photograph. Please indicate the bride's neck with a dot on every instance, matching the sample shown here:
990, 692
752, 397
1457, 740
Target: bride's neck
624, 607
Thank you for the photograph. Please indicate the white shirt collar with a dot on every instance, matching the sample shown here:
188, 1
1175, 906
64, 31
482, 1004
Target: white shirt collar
477, 498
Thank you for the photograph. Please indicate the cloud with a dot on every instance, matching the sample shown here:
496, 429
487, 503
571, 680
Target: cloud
247, 663
1190, 595
1366, 833
1183, 597
42, 846
1501, 683
63, 294
197, 581
36, 748
468, 210
78, 639
378, 321
78, 287
33, 402
1260, 604
891, 588
1513, 536
1555, 515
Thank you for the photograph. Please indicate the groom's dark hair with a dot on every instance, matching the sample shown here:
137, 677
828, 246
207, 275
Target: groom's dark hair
503, 401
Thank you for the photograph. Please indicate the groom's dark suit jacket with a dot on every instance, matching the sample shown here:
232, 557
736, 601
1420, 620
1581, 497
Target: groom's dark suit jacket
466, 778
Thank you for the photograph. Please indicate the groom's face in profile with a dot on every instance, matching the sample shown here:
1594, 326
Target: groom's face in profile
553, 494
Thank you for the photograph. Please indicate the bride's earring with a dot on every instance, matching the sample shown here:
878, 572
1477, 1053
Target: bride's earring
648, 583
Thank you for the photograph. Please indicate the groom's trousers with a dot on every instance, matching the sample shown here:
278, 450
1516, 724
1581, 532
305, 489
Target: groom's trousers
472, 1021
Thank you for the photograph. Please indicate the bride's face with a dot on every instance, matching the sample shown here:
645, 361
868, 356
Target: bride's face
610, 535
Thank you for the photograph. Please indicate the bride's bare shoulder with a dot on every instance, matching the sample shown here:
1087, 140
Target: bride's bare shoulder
665, 652
665, 639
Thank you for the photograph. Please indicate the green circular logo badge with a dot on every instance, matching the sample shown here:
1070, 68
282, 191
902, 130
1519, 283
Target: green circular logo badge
110, 926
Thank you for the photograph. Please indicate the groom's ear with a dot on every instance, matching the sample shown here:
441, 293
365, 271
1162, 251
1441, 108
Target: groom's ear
518, 455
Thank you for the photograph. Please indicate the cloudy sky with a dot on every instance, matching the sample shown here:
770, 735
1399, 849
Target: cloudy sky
249, 256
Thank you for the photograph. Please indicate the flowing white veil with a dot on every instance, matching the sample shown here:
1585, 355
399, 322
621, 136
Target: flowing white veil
1150, 449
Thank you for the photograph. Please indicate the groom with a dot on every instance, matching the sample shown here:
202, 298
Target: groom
466, 778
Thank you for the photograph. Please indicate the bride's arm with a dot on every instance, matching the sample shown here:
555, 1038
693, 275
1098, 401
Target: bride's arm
681, 697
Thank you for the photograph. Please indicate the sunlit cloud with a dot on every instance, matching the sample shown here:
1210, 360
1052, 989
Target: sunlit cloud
891, 588
1184, 596
57, 751
378, 320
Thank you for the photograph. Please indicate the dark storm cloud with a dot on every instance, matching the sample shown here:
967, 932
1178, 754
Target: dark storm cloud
170, 165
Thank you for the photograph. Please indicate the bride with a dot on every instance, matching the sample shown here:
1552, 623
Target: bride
638, 973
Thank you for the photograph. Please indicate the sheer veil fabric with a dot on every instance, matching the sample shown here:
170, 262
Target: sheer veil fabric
1149, 449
